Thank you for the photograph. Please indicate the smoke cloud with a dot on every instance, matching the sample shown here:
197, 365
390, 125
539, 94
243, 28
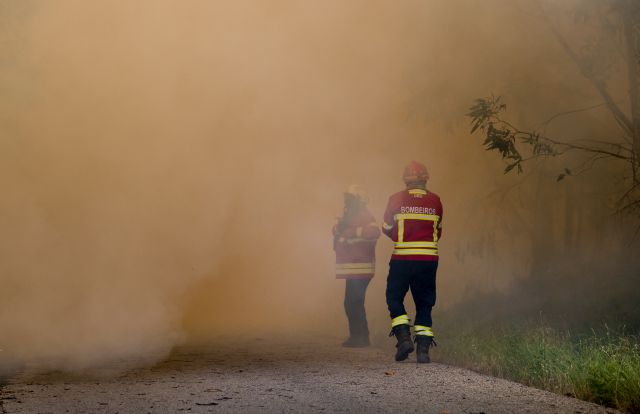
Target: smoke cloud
171, 170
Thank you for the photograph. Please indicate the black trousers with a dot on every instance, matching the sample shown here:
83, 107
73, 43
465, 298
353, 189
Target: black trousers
354, 307
420, 277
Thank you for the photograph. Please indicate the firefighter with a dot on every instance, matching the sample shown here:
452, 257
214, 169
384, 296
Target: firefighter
413, 220
354, 242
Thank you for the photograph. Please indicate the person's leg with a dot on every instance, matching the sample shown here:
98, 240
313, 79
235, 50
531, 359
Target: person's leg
397, 287
355, 310
348, 293
423, 290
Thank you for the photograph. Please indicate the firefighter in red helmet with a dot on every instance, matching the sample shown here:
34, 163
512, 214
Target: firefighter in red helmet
413, 220
354, 242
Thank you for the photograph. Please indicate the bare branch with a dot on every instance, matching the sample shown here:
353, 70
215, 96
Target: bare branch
628, 192
574, 111
617, 145
587, 164
570, 146
623, 120
631, 205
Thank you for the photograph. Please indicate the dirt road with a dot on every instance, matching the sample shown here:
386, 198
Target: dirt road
262, 375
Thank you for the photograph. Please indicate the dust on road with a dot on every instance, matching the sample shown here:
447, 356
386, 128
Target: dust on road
279, 375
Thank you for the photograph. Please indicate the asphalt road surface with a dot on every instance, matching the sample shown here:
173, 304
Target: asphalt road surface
259, 375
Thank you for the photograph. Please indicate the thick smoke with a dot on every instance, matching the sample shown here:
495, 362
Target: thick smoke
171, 170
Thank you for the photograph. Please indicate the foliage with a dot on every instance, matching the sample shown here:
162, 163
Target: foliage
503, 137
609, 47
600, 367
517, 146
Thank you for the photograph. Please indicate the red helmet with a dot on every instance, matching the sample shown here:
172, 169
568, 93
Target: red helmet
415, 172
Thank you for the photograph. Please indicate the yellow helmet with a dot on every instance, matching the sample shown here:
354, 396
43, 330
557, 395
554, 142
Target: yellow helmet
358, 192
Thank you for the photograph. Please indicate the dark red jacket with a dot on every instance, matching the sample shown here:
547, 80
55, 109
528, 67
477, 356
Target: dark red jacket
413, 220
355, 246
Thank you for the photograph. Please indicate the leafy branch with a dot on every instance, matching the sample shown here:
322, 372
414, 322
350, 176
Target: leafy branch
517, 146
508, 140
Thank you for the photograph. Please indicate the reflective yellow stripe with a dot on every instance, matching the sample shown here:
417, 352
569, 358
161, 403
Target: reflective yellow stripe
355, 271
387, 226
435, 231
417, 191
359, 240
431, 245
415, 216
354, 265
407, 252
423, 330
400, 320
400, 218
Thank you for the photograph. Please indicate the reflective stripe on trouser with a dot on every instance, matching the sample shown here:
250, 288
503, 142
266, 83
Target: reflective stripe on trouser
355, 268
422, 330
400, 320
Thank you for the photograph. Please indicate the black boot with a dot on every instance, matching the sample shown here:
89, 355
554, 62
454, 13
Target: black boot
423, 344
404, 346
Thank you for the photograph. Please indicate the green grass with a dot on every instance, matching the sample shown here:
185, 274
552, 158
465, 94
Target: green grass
599, 367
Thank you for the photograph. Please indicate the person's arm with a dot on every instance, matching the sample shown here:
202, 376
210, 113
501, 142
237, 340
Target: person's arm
440, 223
370, 231
337, 236
388, 222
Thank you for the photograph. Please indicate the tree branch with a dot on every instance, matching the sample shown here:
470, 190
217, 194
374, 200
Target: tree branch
573, 111
623, 120
568, 145
588, 149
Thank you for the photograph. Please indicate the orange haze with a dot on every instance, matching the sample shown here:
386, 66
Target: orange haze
171, 170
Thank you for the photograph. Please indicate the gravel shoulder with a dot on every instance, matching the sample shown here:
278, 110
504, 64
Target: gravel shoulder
260, 375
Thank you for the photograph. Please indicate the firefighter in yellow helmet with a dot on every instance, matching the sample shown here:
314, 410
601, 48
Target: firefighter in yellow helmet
354, 242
